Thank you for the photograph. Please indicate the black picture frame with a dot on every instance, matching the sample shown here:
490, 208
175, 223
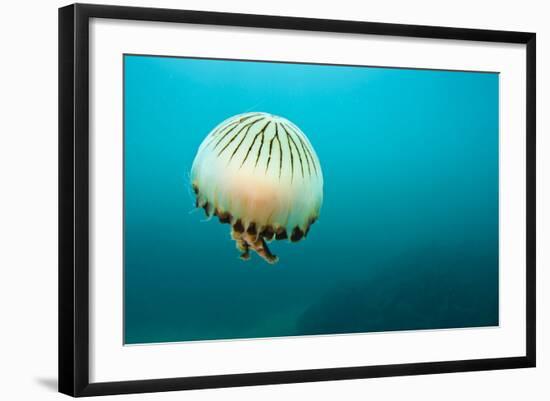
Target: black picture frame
74, 198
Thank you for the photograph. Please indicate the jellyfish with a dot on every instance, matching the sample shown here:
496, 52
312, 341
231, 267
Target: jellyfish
259, 173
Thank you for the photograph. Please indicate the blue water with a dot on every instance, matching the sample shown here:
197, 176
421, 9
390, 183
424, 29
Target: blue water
408, 233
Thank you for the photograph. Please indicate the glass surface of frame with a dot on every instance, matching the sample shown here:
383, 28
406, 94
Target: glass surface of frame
399, 172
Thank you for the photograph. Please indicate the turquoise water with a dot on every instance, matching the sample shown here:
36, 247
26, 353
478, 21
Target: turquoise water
408, 233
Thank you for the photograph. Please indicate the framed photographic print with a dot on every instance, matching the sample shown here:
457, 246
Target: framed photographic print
250, 199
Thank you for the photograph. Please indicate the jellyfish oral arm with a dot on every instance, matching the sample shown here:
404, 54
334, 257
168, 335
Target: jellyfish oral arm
246, 241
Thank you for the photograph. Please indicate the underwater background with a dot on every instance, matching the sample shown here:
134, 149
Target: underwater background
407, 238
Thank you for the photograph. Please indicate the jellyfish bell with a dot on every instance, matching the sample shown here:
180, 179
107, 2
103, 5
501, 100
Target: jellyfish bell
260, 174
